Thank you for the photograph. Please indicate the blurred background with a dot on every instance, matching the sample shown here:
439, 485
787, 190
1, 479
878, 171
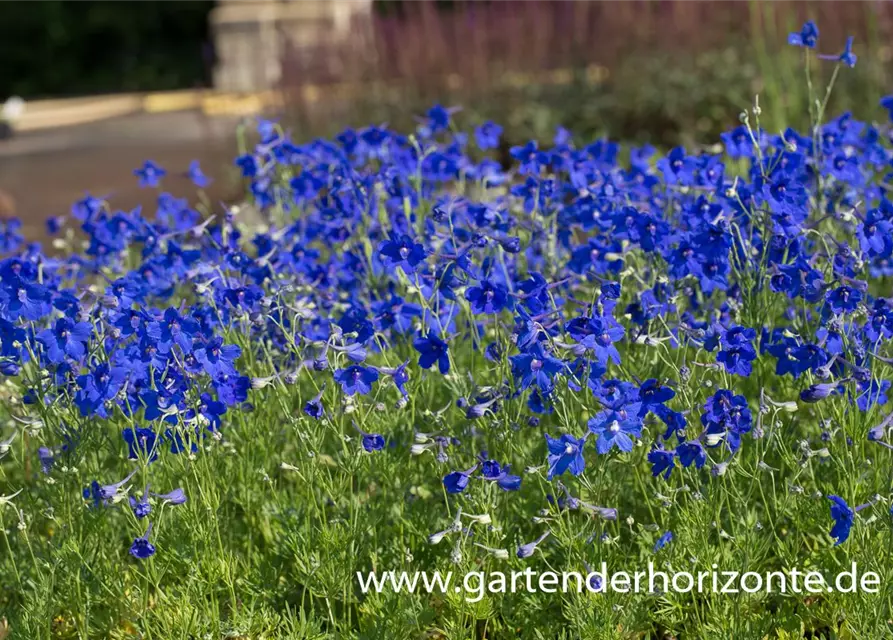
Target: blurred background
109, 84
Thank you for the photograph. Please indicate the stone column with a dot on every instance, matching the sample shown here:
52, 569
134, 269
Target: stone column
250, 37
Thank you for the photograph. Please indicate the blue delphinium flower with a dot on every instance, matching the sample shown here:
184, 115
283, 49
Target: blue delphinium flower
65, 339
216, 358
432, 350
195, 174
663, 541
662, 461
98, 387
871, 393
438, 118
141, 506
678, 167
150, 174
457, 481
488, 297
87, 207
846, 57
402, 252
174, 329
371, 441
23, 299
807, 37
843, 299
141, 548
314, 408
175, 497
690, 453
356, 379
528, 549
738, 353
817, 392
653, 393
616, 428
529, 157
492, 471
887, 103
536, 366
727, 417
738, 142
487, 135
565, 454
141, 441
843, 517
99, 494
399, 376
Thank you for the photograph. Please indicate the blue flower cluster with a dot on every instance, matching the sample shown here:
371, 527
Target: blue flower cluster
391, 263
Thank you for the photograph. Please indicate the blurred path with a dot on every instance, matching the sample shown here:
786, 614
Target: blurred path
44, 172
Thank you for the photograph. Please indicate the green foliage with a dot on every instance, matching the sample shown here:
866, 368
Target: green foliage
57, 48
666, 100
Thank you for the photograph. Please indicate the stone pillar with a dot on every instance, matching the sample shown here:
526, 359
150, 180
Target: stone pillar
250, 37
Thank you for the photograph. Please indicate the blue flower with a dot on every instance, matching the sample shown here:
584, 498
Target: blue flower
141, 548
457, 481
433, 350
598, 333
662, 461
402, 252
652, 393
103, 494
616, 428
488, 297
24, 299
727, 415
872, 392
847, 57
492, 471
314, 408
536, 366
216, 358
487, 135
98, 387
356, 379
818, 392
150, 174
530, 158
373, 442
678, 167
195, 174
565, 454
843, 299
663, 541
438, 118
843, 517
691, 453
738, 351
141, 506
174, 329
738, 142
141, 440
66, 338
87, 207
527, 550
808, 36
175, 497
887, 103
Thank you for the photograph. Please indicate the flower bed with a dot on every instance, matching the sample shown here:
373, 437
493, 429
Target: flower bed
425, 362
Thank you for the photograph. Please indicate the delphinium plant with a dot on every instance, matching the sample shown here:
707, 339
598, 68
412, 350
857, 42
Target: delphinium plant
425, 362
